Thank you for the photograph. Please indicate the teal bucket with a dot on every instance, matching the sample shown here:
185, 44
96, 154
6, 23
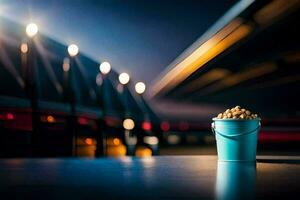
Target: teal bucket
236, 138
235, 180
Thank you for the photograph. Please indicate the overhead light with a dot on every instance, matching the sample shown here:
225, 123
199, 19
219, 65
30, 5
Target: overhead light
140, 87
124, 78
32, 29
105, 67
73, 50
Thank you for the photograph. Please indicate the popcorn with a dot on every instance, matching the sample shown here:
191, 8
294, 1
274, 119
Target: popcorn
237, 113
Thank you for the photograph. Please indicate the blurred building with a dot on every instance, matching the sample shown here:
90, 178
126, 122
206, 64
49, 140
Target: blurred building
54, 100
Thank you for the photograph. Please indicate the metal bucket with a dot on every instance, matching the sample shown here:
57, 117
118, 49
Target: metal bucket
236, 138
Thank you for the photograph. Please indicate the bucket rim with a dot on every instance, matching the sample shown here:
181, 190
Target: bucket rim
217, 119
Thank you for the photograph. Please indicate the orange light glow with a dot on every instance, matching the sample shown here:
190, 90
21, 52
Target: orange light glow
116, 141
50, 119
116, 151
208, 50
88, 141
143, 152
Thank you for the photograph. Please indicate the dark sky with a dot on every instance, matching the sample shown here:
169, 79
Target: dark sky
136, 36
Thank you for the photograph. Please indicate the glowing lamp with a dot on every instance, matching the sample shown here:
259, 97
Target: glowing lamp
124, 78
140, 87
73, 50
32, 29
24, 48
88, 141
143, 152
50, 119
116, 141
105, 67
128, 124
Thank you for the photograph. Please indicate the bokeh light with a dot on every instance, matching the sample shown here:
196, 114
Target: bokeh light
32, 29
50, 119
165, 126
88, 141
124, 78
143, 152
10, 116
116, 141
152, 140
24, 48
140, 87
128, 124
105, 67
66, 64
73, 50
147, 126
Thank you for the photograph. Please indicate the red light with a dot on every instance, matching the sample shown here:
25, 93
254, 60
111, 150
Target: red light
165, 126
82, 121
147, 126
88, 141
10, 116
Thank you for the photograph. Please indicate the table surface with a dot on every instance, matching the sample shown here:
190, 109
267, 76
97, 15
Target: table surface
161, 177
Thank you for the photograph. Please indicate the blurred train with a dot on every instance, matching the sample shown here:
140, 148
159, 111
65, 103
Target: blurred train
53, 104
